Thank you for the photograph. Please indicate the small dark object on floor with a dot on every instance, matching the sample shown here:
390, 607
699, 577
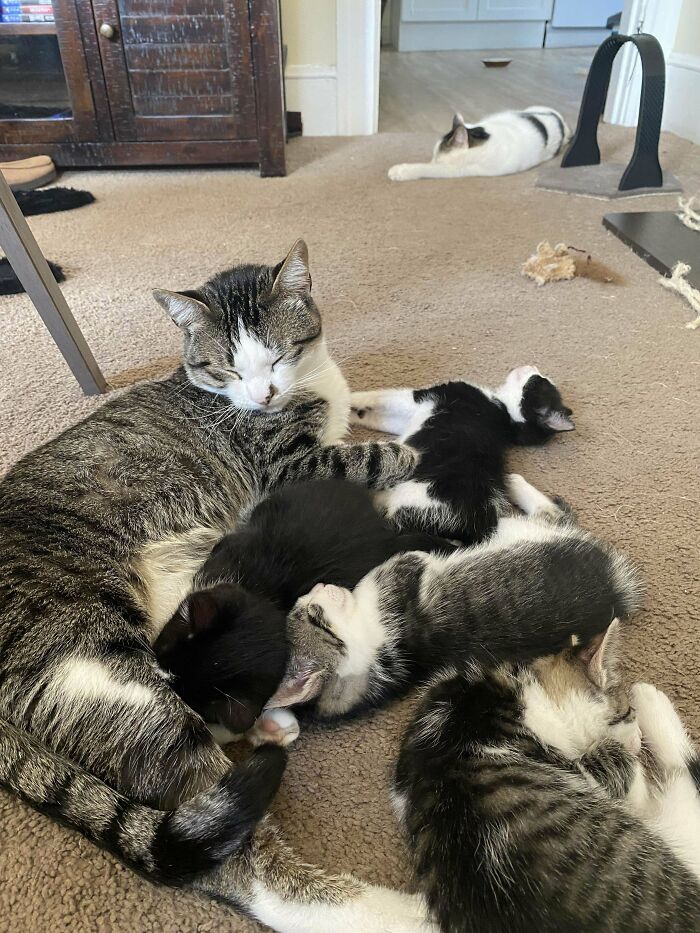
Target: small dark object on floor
51, 200
496, 62
660, 239
11, 285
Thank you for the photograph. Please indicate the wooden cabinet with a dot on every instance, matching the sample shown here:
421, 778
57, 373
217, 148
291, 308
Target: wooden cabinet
129, 82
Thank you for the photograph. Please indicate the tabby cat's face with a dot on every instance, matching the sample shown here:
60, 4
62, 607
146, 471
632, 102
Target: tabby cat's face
578, 699
252, 333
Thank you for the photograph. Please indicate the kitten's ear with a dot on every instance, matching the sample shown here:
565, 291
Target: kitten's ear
476, 135
303, 682
293, 278
200, 609
185, 308
556, 419
596, 655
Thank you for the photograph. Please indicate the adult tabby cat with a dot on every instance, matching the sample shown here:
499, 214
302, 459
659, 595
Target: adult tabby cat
102, 530
500, 144
527, 808
523, 592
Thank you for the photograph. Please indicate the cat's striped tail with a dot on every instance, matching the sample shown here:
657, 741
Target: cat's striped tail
170, 846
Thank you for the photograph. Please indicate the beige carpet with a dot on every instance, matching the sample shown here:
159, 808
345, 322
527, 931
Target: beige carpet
417, 282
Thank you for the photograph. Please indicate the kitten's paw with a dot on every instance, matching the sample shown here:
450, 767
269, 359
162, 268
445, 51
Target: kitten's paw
529, 499
663, 733
278, 726
401, 172
387, 911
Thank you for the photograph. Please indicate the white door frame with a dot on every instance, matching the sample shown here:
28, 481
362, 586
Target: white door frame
358, 37
658, 17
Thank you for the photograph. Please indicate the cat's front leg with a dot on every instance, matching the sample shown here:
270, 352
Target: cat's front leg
375, 465
410, 171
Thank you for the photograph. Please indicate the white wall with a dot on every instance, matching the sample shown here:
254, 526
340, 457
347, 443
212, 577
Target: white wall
681, 112
676, 24
309, 31
332, 72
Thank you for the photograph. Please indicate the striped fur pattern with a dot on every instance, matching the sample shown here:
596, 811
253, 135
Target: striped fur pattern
524, 592
527, 804
463, 432
500, 144
103, 529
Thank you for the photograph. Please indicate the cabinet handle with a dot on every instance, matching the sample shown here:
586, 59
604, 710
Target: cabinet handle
107, 31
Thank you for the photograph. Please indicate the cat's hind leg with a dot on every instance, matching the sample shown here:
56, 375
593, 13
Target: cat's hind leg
676, 813
533, 502
388, 410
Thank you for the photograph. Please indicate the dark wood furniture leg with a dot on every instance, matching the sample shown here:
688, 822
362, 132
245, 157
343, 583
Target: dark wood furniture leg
30, 267
267, 66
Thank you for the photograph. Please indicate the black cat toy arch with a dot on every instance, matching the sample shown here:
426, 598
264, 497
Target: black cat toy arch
644, 169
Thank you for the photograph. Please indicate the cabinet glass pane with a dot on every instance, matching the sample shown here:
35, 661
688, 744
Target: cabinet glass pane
32, 83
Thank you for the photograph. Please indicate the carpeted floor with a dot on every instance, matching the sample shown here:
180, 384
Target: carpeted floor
417, 282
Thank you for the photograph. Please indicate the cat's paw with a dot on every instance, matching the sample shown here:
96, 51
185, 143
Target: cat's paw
387, 911
402, 172
663, 733
276, 726
407, 459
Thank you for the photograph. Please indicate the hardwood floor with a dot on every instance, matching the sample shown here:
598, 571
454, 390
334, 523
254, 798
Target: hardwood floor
420, 91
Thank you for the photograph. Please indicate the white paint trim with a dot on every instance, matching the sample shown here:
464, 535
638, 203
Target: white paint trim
682, 86
358, 37
683, 60
660, 19
312, 89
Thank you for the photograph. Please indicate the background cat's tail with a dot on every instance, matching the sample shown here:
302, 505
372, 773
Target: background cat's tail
171, 846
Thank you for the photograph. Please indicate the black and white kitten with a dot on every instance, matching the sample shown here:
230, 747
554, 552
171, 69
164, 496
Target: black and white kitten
226, 644
524, 592
527, 807
463, 433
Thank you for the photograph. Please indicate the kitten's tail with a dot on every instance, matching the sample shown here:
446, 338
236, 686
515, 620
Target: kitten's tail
171, 846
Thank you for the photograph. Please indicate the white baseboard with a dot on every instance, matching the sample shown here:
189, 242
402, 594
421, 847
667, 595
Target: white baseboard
312, 89
681, 112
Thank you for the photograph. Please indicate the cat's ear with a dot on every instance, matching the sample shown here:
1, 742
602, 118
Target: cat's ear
476, 135
292, 277
460, 136
596, 656
185, 308
303, 682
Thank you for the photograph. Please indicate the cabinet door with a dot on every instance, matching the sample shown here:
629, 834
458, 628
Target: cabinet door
177, 69
45, 91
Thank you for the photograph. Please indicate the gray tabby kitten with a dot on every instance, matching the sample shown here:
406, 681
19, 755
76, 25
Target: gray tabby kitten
523, 592
102, 531
527, 807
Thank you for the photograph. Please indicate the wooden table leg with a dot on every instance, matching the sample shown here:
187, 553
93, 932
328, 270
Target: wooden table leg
30, 267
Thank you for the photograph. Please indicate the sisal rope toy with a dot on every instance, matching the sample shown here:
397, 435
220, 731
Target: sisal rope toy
678, 283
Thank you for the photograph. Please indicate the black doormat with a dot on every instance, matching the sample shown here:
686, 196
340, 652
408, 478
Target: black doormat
51, 200
11, 285
660, 239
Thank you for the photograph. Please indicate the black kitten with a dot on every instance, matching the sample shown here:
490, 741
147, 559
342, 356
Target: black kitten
227, 650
